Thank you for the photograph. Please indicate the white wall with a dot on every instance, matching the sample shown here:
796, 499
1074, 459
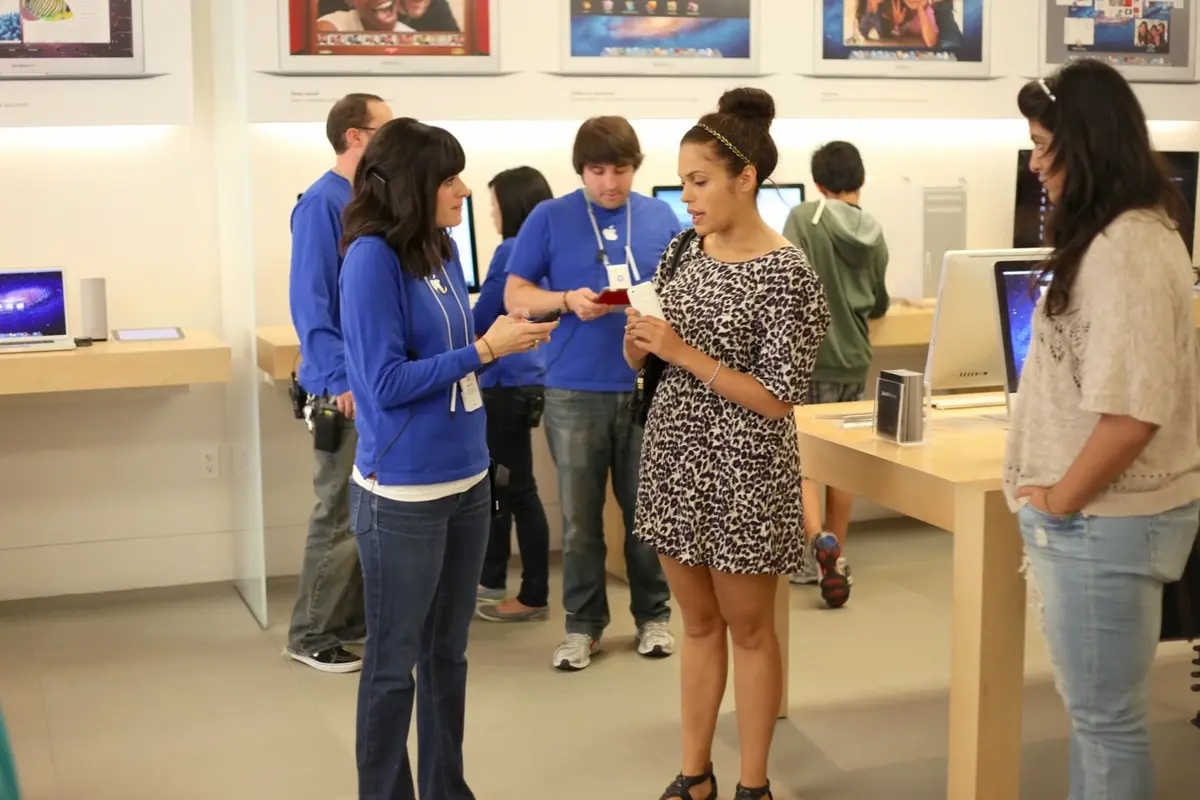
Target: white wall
106, 491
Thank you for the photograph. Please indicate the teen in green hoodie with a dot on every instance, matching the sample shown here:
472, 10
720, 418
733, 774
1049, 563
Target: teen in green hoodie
845, 247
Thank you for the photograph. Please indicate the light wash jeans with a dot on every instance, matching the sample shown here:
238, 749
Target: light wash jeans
1100, 580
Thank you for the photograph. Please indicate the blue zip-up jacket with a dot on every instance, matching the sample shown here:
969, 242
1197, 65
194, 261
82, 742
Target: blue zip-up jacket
407, 345
313, 286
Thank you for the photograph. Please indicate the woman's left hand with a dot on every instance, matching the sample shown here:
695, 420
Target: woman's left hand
1039, 498
655, 336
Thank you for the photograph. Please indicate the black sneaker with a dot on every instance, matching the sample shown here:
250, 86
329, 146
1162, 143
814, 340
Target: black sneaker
335, 659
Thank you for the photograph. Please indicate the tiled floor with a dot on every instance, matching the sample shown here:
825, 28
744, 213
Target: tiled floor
177, 695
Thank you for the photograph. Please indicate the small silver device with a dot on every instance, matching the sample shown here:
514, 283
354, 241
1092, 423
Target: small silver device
900, 406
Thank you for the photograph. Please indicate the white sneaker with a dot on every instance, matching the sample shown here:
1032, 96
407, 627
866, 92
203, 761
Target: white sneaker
575, 652
807, 576
654, 640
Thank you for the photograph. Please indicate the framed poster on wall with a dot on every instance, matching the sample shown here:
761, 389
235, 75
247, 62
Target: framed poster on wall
1153, 41
360, 37
902, 38
659, 37
76, 39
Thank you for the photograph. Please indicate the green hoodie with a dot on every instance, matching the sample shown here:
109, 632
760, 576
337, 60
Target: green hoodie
847, 251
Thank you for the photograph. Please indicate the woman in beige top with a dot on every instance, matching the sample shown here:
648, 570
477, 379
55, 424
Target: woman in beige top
1103, 460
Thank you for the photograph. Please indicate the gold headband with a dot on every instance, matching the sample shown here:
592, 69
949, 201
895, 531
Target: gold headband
720, 138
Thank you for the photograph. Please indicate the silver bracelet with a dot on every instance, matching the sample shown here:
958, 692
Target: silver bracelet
716, 372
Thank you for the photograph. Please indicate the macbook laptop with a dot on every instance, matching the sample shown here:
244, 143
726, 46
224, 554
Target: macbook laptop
1016, 303
33, 311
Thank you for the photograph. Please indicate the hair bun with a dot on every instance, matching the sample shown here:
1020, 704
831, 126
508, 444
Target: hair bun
754, 105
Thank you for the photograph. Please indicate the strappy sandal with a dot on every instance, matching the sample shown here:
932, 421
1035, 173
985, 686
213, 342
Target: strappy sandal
681, 787
763, 793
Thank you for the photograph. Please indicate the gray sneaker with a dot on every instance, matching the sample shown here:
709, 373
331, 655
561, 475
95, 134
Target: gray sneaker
807, 574
654, 640
486, 595
575, 652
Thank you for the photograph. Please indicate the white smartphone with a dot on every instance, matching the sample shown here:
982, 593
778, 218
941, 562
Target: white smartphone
645, 300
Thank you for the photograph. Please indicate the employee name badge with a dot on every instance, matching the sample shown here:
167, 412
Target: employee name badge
618, 276
472, 399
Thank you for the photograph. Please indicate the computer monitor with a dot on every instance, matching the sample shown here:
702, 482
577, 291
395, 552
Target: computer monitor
1029, 218
965, 351
468, 253
1016, 301
775, 202
93, 39
33, 307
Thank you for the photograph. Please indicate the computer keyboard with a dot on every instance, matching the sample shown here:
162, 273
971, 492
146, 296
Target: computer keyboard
958, 401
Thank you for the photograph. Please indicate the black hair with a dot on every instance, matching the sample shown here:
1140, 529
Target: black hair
352, 111
518, 191
1101, 143
396, 189
438, 17
838, 167
740, 131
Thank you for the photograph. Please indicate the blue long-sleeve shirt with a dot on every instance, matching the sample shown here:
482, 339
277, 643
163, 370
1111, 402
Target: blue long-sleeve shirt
313, 286
519, 369
407, 345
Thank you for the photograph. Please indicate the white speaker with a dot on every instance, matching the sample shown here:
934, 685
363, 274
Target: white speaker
93, 310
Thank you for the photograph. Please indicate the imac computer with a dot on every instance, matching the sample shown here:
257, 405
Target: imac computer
965, 351
1016, 301
90, 39
1029, 220
775, 202
33, 311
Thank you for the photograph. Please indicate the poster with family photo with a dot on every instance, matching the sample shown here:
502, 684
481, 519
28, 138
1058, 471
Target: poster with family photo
902, 38
1146, 39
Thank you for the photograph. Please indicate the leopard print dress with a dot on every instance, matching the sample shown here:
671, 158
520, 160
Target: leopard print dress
719, 484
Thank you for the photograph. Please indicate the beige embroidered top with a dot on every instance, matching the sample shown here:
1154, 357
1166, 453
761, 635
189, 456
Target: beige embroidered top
1125, 346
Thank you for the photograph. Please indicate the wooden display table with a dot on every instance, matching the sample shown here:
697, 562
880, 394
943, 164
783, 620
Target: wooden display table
200, 357
952, 482
278, 351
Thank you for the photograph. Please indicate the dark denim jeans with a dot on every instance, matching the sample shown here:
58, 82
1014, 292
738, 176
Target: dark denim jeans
421, 564
591, 434
329, 607
510, 440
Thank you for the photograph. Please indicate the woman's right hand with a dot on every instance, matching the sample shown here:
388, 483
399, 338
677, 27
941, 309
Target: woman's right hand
508, 336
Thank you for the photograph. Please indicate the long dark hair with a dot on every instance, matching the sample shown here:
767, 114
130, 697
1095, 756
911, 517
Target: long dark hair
1100, 141
518, 191
395, 193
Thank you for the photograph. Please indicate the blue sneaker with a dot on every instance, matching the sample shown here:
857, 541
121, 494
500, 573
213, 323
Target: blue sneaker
834, 572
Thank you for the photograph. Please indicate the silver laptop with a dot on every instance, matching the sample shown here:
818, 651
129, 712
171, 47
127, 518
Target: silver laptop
33, 311
1016, 302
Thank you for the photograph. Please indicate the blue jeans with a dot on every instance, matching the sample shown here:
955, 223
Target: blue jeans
421, 564
591, 434
1101, 580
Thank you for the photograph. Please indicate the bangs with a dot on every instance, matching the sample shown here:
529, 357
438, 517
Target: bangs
445, 154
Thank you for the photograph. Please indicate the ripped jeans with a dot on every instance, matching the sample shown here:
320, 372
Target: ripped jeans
1100, 580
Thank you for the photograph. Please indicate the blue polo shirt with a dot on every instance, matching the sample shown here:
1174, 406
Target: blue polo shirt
558, 245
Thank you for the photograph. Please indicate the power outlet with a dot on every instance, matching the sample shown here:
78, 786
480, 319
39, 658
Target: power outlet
210, 461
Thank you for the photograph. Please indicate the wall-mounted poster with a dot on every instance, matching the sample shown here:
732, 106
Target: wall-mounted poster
902, 38
71, 39
359, 37
1147, 40
660, 37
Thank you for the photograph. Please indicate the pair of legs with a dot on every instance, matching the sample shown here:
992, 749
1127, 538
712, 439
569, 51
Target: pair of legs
719, 608
421, 564
1100, 580
510, 440
592, 434
329, 608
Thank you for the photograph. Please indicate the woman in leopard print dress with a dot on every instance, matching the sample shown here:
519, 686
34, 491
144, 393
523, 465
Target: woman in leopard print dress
719, 494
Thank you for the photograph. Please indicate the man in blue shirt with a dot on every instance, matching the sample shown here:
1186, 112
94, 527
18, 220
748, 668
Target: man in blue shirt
329, 609
601, 236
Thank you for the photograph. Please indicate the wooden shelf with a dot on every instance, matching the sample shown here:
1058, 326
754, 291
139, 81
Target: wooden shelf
278, 351
200, 357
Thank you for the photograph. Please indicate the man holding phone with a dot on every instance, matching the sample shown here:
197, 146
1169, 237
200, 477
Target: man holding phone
603, 235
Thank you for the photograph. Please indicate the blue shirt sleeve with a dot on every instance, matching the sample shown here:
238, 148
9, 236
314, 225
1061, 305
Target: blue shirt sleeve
490, 303
530, 257
374, 324
312, 291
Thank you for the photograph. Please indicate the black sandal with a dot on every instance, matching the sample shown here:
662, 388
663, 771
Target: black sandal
681, 787
763, 793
